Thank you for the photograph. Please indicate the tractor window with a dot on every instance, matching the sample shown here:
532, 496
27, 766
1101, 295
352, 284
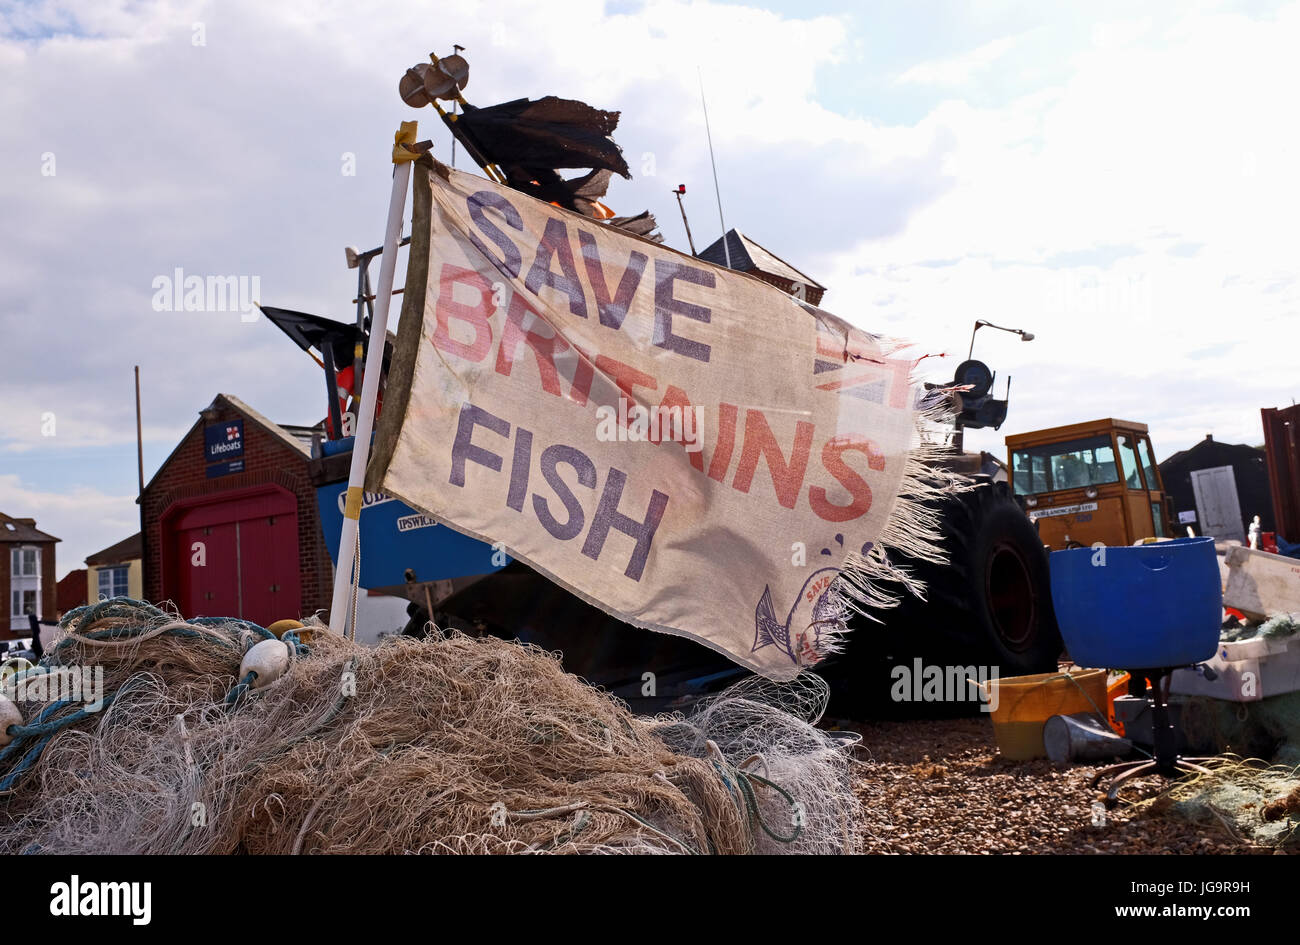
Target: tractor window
1158, 520
1069, 465
1148, 467
1128, 456
1029, 473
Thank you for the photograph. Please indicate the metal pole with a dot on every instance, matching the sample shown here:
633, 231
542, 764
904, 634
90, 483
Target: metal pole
139, 438
682, 207
455, 51
332, 390
339, 610
978, 326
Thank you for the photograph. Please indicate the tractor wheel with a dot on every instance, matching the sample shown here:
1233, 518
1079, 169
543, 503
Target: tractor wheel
990, 606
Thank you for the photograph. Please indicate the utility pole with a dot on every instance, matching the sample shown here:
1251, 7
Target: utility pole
139, 439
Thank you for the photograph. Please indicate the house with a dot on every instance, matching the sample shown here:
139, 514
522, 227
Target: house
117, 571
1218, 488
748, 256
72, 591
26, 574
230, 524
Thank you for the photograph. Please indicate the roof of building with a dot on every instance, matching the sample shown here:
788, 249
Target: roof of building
271, 427
1209, 444
21, 531
747, 255
128, 549
294, 440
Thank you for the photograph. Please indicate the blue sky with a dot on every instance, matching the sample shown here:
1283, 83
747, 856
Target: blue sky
1118, 180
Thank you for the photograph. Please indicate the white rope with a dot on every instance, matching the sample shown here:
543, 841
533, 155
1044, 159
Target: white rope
354, 588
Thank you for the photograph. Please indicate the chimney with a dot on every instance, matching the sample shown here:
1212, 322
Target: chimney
1209, 438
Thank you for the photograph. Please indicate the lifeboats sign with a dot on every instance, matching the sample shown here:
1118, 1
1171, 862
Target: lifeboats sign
223, 441
687, 447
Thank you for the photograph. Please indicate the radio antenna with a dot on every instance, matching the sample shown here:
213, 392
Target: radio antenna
716, 190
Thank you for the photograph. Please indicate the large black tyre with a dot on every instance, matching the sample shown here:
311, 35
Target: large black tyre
989, 606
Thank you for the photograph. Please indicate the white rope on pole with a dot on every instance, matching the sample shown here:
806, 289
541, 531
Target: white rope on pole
350, 538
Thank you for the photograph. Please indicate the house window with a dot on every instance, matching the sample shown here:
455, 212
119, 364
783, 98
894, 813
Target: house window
23, 603
25, 562
112, 582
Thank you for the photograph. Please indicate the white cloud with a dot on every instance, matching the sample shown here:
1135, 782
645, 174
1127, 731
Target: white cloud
1135, 214
1137, 219
86, 519
958, 70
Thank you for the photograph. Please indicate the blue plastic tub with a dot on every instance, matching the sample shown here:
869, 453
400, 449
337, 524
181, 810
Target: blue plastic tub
1139, 607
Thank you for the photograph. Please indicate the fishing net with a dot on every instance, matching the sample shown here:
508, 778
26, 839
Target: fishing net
1256, 803
455, 744
1269, 728
1281, 625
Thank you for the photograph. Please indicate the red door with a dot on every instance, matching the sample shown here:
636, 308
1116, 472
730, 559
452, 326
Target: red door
235, 555
269, 568
209, 584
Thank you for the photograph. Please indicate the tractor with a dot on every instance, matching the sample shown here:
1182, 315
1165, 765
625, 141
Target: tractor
1090, 482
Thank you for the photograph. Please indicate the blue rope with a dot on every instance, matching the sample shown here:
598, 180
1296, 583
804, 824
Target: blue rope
262, 632
44, 731
115, 607
28, 760
291, 636
241, 687
742, 785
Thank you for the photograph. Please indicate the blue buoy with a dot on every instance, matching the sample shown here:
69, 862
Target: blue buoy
1139, 607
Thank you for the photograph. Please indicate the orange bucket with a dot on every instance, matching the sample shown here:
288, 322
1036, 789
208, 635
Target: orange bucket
1025, 703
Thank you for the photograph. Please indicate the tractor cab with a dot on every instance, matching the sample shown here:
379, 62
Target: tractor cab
1090, 482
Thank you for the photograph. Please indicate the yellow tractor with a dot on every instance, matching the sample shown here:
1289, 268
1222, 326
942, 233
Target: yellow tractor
1090, 482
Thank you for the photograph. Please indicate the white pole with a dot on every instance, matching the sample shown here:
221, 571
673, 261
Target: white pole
339, 609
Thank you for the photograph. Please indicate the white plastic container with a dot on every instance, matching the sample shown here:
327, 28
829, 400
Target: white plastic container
1248, 670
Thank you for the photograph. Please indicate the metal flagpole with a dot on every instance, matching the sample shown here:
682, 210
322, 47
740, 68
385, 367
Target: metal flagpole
403, 155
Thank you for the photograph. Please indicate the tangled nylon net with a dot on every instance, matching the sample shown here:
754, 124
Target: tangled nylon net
455, 745
1258, 804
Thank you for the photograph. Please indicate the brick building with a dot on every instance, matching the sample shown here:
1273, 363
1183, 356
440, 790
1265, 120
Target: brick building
230, 523
26, 575
72, 591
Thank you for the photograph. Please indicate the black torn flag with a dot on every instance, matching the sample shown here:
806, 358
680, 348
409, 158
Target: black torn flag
530, 141
546, 134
